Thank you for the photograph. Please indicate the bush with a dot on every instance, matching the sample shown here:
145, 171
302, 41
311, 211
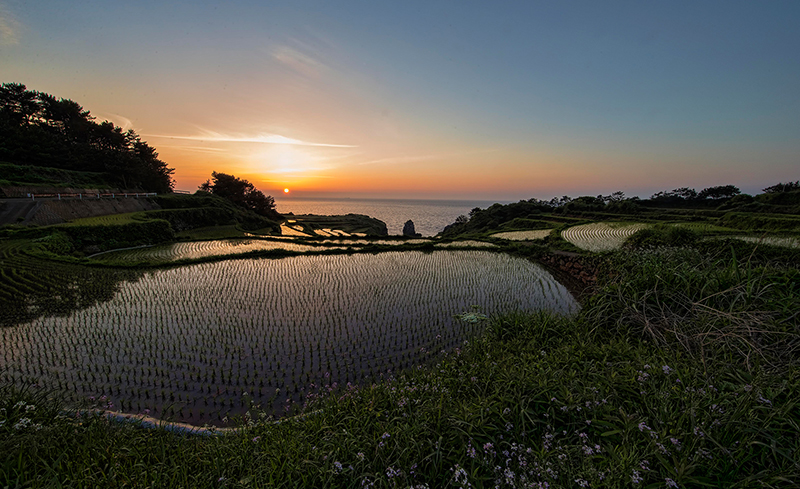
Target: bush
184, 219
522, 223
754, 222
57, 243
789, 198
704, 304
119, 236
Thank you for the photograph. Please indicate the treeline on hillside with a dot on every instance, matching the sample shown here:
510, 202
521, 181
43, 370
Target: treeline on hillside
39, 129
782, 198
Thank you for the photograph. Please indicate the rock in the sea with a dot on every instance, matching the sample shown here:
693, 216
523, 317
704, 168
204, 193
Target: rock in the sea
408, 230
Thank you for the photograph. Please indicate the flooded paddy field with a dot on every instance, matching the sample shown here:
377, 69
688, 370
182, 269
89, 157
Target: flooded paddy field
195, 343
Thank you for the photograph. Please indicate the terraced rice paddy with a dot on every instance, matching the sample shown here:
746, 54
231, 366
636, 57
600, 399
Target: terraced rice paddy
785, 242
235, 246
203, 249
293, 231
382, 242
105, 220
704, 227
600, 236
30, 287
187, 342
466, 243
524, 235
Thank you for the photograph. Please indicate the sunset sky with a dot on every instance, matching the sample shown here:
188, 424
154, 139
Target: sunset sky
432, 99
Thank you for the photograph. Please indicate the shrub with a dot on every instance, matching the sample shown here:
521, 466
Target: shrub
764, 222
120, 236
58, 243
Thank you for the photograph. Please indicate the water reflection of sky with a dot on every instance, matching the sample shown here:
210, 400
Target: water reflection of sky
429, 216
256, 325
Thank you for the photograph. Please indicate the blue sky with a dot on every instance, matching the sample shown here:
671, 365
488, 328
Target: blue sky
494, 100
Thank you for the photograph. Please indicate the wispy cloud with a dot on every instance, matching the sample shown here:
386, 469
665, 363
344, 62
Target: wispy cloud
264, 138
117, 119
200, 149
400, 159
298, 61
9, 28
426, 157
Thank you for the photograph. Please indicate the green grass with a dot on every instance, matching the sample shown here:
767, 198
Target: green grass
705, 227
215, 232
107, 220
682, 369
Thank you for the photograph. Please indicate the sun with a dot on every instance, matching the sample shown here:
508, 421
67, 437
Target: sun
286, 190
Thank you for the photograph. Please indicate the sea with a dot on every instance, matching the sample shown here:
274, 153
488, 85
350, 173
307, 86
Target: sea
429, 216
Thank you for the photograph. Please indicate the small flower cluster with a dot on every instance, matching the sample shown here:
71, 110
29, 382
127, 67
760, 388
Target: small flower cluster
20, 411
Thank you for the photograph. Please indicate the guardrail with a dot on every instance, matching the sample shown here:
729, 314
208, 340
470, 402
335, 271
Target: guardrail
81, 196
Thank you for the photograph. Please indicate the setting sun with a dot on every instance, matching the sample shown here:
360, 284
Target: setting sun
286, 190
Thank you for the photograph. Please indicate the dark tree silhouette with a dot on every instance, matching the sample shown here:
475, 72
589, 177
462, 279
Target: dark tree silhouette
719, 192
240, 192
782, 187
39, 129
683, 193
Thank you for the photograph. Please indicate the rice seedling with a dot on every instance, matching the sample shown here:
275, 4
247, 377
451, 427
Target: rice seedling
287, 230
680, 372
255, 325
600, 236
468, 243
523, 235
786, 242
201, 249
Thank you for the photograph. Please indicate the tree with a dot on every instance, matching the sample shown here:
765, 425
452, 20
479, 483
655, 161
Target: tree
17, 103
240, 192
617, 196
782, 187
683, 193
39, 129
686, 193
719, 192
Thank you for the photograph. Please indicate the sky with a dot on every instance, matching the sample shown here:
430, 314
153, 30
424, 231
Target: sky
482, 100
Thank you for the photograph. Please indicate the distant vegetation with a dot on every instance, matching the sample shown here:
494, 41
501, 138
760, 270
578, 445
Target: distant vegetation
39, 130
723, 205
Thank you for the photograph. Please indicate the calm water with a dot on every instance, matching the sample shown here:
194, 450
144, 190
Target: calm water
429, 216
187, 342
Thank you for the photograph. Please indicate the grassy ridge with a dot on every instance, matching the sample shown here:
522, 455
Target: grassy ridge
681, 372
38, 176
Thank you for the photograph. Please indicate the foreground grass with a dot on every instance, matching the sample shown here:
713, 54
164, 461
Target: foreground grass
606, 399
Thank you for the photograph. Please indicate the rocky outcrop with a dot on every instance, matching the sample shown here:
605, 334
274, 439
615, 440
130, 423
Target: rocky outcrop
409, 231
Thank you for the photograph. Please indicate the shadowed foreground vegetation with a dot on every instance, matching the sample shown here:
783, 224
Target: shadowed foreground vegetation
680, 372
